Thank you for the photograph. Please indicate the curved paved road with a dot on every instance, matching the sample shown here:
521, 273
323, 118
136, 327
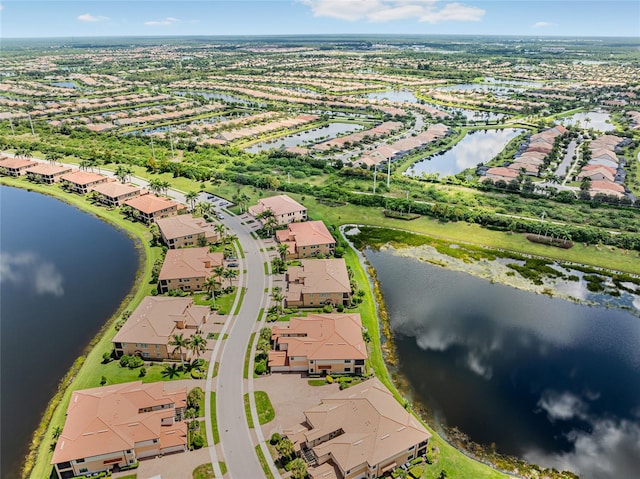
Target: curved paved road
237, 444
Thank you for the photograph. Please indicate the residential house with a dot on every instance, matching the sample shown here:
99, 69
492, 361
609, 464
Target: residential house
319, 344
307, 239
500, 173
151, 208
606, 188
363, 432
317, 282
115, 426
597, 172
81, 182
148, 330
285, 209
114, 194
185, 230
187, 269
46, 173
15, 166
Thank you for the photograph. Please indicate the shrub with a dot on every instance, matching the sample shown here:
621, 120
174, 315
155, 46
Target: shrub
329, 379
131, 362
327, 308
103, 380
143, 372
275, 438
106, 358
197, 442
261, 367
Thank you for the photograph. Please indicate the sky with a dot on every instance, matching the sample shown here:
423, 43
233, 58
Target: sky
82, 18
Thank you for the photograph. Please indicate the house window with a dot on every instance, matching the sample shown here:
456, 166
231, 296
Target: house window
78, 461
128, 451
146, 355
145, 346
347, 360
347, 370
155, 441
82, 470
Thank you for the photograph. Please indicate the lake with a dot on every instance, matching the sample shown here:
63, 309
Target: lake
545, 379
597, 120
307, 137
63, 274
401, 96
478, 146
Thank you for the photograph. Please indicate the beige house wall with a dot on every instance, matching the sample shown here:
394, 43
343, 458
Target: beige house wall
314, 250
153, 351
337, 366
185, 284
286, 218
118, 200
318, 299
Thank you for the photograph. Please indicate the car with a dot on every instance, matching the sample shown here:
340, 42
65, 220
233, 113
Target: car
232, 265
220, 216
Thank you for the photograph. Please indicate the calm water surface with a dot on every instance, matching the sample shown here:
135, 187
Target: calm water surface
63, 273
597, 120
309, 136
552, 381
477, 147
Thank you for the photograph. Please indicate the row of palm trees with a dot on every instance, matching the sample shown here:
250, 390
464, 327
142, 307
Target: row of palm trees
215, 280
196, 344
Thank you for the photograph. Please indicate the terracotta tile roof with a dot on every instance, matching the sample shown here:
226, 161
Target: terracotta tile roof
114, 189
189, 263
375, 426
323, 336
320, 276
306, 234
157, 318
150, 204
279, 204
82, 177
107, 419
48, 169
184, 225
15, 163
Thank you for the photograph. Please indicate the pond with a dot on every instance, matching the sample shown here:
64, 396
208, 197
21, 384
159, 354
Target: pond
222, 96
597, 120
478, 146
64, 273
393, 95
543, 378
307, 137
497, 90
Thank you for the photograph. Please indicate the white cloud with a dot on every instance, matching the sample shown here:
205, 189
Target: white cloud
87, 17
1, 7
476, 363
165, 22
544, 25
27, 270
609, 449
427, 11
561, 406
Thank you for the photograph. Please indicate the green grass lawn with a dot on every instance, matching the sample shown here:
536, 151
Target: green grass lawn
245, 372
263, 463
242, 293
214, 419
264, 407
247, 410
116, 374
204, 471
317, 382
223, 467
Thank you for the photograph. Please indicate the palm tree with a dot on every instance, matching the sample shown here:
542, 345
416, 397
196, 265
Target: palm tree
197, 345
165, 185
171, 371
230, 274
52, 157
123, 173
243, 199
155, 186
210, 286
220, 229
270, 224
191, 197
84, 164
180, 343
283, 249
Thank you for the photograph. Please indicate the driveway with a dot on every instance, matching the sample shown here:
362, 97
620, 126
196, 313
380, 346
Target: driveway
290, 395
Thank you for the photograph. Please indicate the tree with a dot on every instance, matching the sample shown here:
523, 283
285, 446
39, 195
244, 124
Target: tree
171, 371
220, 229
283, 249
194, 397
243, 199
285, 448
179, 343
155, 186
197, 345
230, 274
191, 197
210, 285
298, 468
123, 173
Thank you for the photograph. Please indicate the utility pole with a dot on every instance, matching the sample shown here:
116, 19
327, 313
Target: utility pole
388, 172
375, 171
288, 178
31, 123
11, 125
153, 151
171, 143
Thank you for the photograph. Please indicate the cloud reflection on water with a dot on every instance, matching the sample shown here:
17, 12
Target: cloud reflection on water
26, 269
